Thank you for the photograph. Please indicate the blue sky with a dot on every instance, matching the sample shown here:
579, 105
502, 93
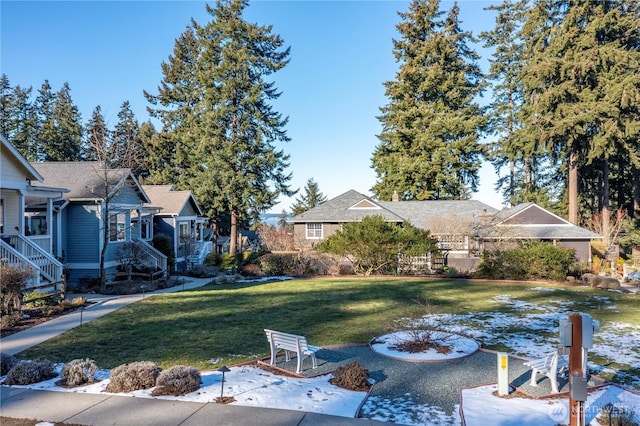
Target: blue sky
332, 89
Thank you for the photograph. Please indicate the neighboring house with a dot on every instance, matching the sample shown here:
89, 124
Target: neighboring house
78, 220
249, 241
20, 243
528, 221
181, 219
463, 228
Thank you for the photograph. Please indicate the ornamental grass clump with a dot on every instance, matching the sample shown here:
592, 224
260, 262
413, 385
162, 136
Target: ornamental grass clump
353, 376
177, 380
78, 372
133, 376
29, 372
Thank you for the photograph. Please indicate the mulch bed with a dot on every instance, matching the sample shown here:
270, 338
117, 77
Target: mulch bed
35, 316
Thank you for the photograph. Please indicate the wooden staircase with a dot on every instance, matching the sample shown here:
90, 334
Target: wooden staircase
18, 251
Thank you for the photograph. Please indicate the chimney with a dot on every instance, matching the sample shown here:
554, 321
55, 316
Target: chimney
395, 197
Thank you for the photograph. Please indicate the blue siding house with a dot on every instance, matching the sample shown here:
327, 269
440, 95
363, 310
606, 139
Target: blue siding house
181, 219
96, 212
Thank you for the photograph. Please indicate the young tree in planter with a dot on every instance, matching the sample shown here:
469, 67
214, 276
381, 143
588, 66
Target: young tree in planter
214, 103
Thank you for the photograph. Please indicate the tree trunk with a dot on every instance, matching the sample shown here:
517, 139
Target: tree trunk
636, 193
606, 213
573, 187
103, 250
233, 234
512, 181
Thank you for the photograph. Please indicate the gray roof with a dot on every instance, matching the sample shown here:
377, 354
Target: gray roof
418, 213
85, 180
172, 202
422, 214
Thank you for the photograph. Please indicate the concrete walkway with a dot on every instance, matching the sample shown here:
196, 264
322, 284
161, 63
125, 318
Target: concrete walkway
98, 410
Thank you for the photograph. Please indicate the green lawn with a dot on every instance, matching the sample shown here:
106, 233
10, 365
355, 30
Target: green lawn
223, 324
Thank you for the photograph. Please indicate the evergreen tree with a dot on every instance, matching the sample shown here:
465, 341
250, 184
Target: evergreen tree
7, 106
44, 105
97, 137
216, 108
126, 144
24, 123
581, 75
429, 145
66, 143
504, 72
311, 198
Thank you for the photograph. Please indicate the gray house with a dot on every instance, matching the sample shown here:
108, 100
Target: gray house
79, 218
463, 228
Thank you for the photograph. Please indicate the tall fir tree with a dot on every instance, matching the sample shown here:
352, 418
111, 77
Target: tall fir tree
25, 124
217, 108
581, 73
504, 71
66, 145
126, 144
98, 137
7, 106
311, 198
44, 104
429, 145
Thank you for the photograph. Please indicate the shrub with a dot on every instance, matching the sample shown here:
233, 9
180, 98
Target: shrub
353, 376
535, 260
9, 320
251, 270
78, 372
11, 284
162, 243
6, 363
177, 380
279, 264
28, 372
134, 376
41, 301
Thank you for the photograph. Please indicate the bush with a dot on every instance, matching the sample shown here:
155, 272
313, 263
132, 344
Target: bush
29, 372
177, 380
41, 301
535, 260
134, 376
162, 243
353, 376
11, 285
251, 270
6, 363
78, 372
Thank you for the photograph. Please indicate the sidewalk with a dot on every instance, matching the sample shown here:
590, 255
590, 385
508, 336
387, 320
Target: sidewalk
98, 410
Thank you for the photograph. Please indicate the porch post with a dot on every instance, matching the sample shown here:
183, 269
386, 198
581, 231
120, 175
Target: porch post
20, 214
49, 232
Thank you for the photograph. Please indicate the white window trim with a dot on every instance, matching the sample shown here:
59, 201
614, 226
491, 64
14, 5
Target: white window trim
120, 228
312, 233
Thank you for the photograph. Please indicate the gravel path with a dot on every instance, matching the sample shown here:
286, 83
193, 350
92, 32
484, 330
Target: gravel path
435, 385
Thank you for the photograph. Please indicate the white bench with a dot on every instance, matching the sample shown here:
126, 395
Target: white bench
291, 343
549, 366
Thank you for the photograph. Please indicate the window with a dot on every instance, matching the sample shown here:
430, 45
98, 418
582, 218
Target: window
314, 230
116, 227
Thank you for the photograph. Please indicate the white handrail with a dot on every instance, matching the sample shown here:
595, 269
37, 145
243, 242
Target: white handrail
50, 267
12, 257
159, 260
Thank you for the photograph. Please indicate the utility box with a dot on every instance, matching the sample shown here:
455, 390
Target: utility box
589, 326
565, 332
578, 387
